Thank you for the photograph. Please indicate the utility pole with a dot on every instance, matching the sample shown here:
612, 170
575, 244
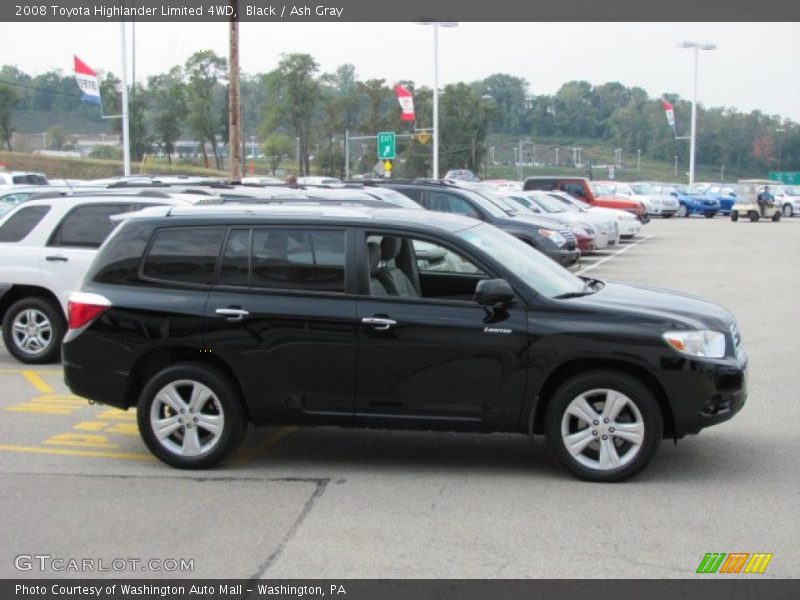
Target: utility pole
126, 144
638, 160
234, 115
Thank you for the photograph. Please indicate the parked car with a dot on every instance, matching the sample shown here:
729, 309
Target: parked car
461, 175
205, 320
788, 197
656, 203
546, 235
629, 225
22, 178
581, 188
316, 180
603, 229
502, 185
47, 245
694, 201
725, 195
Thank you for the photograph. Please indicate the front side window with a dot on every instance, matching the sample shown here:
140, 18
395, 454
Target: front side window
286, 259
449, 203
184, 255
22, 222
87, 226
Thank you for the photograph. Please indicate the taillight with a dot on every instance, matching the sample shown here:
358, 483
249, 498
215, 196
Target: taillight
84, 307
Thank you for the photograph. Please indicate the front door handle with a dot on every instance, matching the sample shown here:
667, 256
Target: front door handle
232, 314
56, 258
379, 323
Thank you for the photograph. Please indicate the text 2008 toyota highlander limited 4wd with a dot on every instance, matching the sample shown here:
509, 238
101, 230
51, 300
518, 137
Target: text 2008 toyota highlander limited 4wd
205, 319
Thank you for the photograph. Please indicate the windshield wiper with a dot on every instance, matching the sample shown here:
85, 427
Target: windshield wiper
590, 286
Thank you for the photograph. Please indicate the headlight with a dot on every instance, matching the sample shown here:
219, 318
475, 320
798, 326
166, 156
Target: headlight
553, 236
708, 344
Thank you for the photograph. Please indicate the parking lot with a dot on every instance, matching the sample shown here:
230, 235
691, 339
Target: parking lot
77, 482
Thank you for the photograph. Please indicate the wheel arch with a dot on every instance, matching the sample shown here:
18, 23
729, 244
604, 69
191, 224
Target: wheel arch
19, 292
576, 366
156, 359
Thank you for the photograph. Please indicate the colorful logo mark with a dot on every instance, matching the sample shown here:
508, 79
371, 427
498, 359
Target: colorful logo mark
735, 562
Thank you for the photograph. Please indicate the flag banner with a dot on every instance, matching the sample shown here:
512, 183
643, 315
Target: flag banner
87, 82
668, 109
406, 101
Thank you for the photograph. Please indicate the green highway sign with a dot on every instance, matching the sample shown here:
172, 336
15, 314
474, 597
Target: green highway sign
387, 149
788, 177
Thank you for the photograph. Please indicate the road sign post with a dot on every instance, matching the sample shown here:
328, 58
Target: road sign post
387, 147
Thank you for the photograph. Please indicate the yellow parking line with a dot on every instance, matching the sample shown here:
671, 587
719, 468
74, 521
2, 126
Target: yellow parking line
36, 381
64, 452
21, 371
85, 440
116, 413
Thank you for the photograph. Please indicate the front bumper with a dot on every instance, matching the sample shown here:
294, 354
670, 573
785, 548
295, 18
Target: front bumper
704, 392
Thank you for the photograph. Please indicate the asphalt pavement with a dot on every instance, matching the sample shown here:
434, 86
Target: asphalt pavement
77, 483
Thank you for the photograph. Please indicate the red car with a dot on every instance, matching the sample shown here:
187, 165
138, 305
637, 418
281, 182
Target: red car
581, 188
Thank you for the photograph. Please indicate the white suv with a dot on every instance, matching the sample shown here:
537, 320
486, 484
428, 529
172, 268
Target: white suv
47, 245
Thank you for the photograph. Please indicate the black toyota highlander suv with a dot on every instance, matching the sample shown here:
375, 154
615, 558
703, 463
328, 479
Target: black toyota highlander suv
207, 318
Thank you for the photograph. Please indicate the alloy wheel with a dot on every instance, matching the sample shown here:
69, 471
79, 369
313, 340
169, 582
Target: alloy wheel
32, 331
602, 429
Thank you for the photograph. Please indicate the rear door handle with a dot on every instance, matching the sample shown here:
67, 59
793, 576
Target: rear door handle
56, 258
379, 323
232, 314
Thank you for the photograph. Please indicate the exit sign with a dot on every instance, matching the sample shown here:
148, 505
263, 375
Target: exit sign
387, 149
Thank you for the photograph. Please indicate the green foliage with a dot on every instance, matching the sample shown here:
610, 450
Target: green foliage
204, 70
276, 148
106, 153
8, 101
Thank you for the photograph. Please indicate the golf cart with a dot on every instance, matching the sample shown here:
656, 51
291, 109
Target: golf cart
746, 204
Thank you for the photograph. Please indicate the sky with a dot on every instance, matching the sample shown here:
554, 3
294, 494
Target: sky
754, 65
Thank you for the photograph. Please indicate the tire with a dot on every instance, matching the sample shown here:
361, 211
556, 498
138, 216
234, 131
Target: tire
734, 216
787, 210
683, 211
639, 413
754, 216
33, 329
776, 216
218, 407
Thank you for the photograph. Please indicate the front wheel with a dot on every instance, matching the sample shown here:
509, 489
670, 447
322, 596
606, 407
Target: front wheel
33, 329
603, 426
190, 416
754, 216
777, 216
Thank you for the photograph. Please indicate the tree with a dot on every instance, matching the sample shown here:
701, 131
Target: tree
764, 149
463, 121
56, 138
168, 94
510, 95
276, 148
204, 70
8, 102
293, 93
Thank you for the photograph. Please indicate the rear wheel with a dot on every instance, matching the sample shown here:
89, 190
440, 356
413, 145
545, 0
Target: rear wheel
777, 216
190, 416
33, 329
603, 426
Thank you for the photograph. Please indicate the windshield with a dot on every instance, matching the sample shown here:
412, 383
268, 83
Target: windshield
600, 189
548, 203
644, 188
490, 202
571, 203
395, 198
535, 269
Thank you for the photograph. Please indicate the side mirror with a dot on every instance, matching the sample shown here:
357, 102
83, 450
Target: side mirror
494, 292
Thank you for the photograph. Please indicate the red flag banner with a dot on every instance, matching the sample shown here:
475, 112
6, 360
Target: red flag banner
406, 100
669, 112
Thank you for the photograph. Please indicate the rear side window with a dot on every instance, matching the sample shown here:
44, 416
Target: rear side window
184, 255
287, 259
87, 226
31, 179
21, 223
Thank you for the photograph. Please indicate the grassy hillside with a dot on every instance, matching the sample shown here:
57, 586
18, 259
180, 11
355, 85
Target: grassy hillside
87, 168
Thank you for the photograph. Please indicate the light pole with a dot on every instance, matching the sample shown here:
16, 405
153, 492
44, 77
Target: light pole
436, 25
696, 46
780, 131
